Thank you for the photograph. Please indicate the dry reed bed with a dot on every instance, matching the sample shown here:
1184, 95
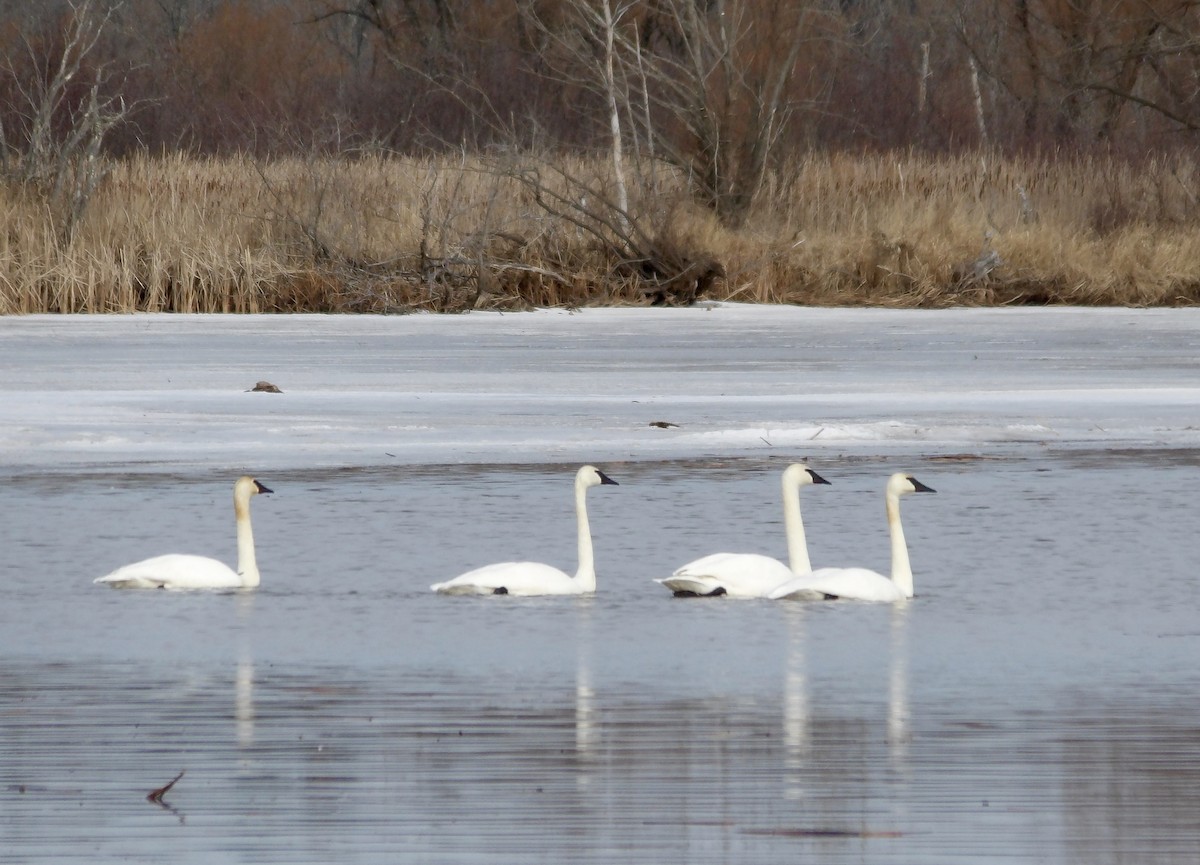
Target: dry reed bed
390, 234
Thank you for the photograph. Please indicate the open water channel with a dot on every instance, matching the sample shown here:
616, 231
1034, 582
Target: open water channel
1039, 701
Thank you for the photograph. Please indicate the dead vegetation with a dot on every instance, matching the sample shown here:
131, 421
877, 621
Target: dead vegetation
384, 234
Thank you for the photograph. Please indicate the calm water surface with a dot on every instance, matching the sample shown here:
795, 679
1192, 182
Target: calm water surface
1037, 702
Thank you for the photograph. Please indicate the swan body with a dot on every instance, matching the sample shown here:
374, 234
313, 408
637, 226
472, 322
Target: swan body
751, 575
535, 578
832, 584
863, 584
181, 571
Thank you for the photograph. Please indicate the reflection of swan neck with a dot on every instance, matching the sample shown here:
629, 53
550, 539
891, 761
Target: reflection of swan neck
247, 564
899, 719
902, 574
794, 525
586, 575
244, 702
795, 701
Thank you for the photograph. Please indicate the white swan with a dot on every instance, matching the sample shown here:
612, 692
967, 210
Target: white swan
180, 571
750, 575
861, 584
534, 578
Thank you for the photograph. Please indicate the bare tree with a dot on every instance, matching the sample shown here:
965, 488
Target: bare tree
64, 113
411, 33
706, 86
1075, 69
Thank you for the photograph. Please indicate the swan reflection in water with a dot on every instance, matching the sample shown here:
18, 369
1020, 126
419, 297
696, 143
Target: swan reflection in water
796, 742
797, 709
243, 706
587, 729
899, 727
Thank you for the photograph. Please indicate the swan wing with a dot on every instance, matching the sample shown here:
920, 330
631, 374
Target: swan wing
741, 575
174, 571
853, 584
511, 578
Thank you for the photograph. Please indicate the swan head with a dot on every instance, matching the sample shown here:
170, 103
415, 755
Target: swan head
801, 475
590, 476
246, 487
902, 483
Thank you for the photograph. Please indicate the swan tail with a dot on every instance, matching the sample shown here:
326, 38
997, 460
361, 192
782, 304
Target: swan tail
692, 587
453, 588
117, 581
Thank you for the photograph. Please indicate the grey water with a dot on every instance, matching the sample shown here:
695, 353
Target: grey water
1036, 702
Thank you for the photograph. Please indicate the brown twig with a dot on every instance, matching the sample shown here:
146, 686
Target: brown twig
156, 796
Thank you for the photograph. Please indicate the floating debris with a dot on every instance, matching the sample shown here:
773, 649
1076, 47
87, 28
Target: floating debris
264, 387
663, 424
156, 796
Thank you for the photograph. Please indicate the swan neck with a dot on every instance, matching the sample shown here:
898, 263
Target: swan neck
902, 574
247, 565
793, 525
586, 575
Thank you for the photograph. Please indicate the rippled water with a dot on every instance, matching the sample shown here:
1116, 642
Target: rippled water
1037, 702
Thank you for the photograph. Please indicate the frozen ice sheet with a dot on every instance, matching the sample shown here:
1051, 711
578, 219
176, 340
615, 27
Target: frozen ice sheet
555, 385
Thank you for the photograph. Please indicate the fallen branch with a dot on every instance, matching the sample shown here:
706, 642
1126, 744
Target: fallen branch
156, 796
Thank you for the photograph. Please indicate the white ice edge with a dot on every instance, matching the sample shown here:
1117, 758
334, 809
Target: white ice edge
558, 386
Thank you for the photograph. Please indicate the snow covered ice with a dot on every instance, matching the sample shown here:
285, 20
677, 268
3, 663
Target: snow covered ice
587, 385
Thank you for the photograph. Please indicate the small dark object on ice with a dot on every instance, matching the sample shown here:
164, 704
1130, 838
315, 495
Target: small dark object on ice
663, 424
264, 387
156, 796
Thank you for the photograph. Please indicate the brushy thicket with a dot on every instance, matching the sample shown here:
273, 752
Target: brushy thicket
395, 156
386, 234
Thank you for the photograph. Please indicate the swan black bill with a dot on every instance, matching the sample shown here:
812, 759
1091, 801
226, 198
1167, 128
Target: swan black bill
816, 478
499, 590
605, 479
920, 487
261, 488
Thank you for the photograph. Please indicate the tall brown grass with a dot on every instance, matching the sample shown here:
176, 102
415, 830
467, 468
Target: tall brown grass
388, 234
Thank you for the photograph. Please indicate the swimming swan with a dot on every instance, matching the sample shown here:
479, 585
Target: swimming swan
534, 578
750, 575
861, 584
179, 571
